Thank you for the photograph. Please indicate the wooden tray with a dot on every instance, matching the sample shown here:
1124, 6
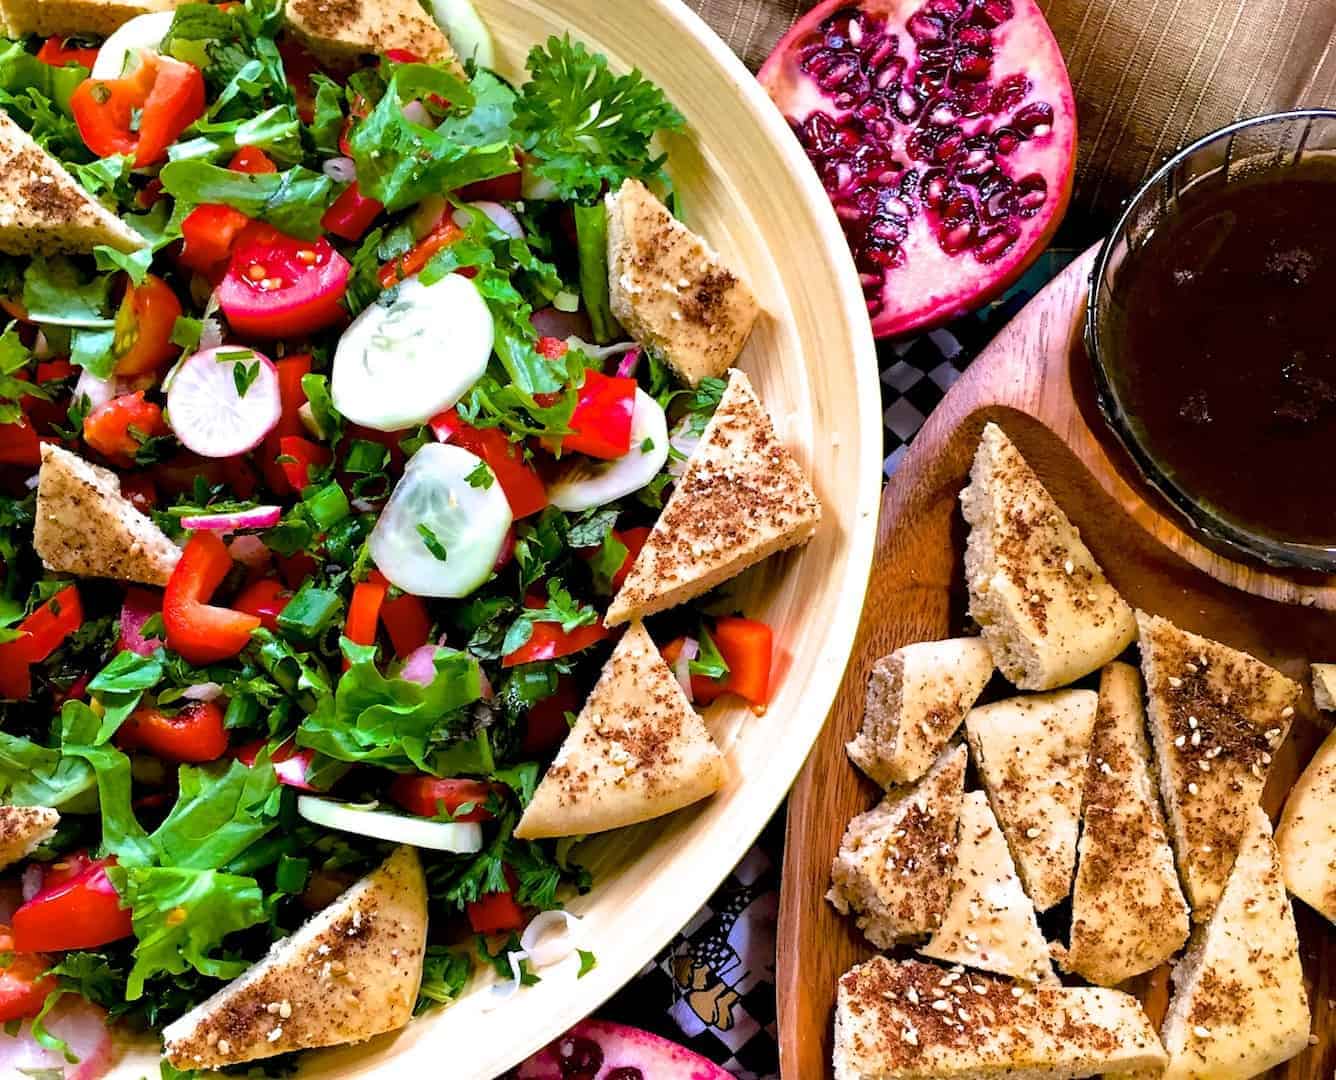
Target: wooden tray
1033, 380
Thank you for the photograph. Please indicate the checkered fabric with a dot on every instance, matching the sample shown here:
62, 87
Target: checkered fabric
712, 989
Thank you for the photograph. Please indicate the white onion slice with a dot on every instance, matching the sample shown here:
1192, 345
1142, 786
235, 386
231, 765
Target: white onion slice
142, 32
97, 391
416, 113
342, 170
464, 837
682, 668
205, 691
497, 214
550, 937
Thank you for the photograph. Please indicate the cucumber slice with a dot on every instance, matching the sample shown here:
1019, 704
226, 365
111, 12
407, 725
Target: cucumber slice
467, 32
404, 360
584, 482
463, 837
447, 502
142, 32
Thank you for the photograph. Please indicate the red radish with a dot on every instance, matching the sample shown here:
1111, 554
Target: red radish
944, 133
207, 410
79, 1023
599, 1050
257, 517
139, 606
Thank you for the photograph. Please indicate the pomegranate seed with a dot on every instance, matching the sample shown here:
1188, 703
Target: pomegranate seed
924, 28
946, 9
934, 187
256, 272
950, 147
993, 245
976, 38
818, 62
839, 74
1035, 119
882, 50
580, 1057
1031, 193
626, 1072
956, 238
1005, 140
906, 105
992, 13
970, 64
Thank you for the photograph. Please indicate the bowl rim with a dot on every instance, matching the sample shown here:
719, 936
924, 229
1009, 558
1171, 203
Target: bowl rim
1200, 517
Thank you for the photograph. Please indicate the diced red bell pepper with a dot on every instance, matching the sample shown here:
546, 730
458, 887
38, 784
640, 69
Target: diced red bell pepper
291, 371
141, 114
195, 734
290, 763
23, 990
56, 52
426, 796
209, 231
351, 214
518, 479
42, 632
408, 264
601, 423
747, 646
265, 599
549, 641
252, 160
299, 457
19, 444
296, 568
545, 726
405, 619
499, 912
200, 632
364, 611
77, 907
117, 428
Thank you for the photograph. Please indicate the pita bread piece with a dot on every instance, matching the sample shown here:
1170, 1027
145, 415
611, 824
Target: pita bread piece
906, 1020
343, 30
350, 972
23, 829
638, 750
43, 210
1239, 1006
916, 699
1216, 717
1307, 833
897, 862
65, 18
1324, 687
1128, 911
1031, 753
85, 526
1047, 611
990, 923
742, 498
670, 289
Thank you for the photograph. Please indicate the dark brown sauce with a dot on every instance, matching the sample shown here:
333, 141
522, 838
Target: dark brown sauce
1221, 346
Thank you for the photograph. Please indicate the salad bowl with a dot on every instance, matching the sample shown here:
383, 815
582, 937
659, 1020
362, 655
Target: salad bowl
743, 182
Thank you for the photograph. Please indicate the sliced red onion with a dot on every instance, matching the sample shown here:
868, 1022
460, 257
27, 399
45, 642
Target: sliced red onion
79, 1023
205, 691
565, 325
685, 444
550, 937
257, 517
420, 665
502, 218
139, 606
250, 551
626, 366
416, 113
31, 881
682, 668
41, 348
342, 170
97, 391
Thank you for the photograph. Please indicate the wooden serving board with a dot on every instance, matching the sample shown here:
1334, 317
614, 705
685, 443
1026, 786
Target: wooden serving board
1033, 380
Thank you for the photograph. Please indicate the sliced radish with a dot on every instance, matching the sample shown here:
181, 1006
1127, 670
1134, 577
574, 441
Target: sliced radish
585, 482
142, 32
437, 509
497, 214
208, 413
466, 30
139, 606
462, 837
257, 517
402, 362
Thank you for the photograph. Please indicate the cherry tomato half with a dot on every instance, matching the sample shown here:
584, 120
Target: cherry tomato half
193, 734
118, 428
279, 286
144, 323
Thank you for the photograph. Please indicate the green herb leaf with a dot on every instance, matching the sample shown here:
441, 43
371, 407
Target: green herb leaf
587, 963
431, 542
292, 201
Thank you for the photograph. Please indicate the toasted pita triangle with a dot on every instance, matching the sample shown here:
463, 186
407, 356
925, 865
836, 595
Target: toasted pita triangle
638, 750
65, 18
43, 209
742, 498
1324, 686
1031, 753
1046, 609
348, 973
343, 31
22, 828
897, 862
1128, 911
891, 1024
85, 526
1307, 833
1239, 1005
1216, 717
990, 923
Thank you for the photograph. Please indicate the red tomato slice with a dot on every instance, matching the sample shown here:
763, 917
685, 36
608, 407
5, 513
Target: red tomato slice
545, 726
141, 114
144, 322
497, 913
195, 734
279, 286
22, 989
79, 910
200, 632
427, 795
107, 429
253, 160
601, 423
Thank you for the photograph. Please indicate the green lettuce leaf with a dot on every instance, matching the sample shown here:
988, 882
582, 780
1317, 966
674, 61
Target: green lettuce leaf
220, 812
33, 775
292, 201
122, 835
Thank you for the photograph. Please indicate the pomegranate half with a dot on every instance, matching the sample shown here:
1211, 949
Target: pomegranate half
945, 134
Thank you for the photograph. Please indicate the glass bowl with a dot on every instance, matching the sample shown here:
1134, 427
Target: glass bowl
1244, 148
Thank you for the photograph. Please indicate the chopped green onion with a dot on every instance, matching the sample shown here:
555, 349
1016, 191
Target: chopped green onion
327, 505
310, 611
291, 874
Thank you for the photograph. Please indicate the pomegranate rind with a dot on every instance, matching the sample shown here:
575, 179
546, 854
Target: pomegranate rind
930, 285
623, 1048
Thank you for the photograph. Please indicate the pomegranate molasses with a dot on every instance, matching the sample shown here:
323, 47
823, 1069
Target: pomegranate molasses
1220, 344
